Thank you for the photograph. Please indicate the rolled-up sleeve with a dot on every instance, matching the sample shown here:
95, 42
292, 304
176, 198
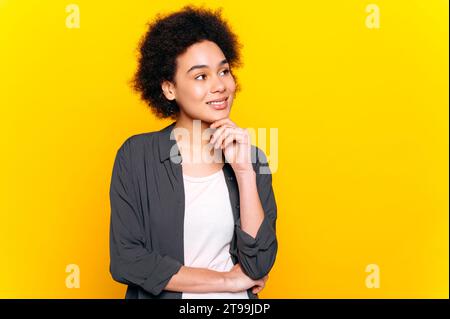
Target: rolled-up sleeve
257, 255
131, 262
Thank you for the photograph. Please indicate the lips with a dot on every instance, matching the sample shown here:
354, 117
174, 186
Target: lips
219, 104
218, 100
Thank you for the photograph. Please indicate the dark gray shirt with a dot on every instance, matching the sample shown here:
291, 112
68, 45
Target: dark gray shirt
147, 216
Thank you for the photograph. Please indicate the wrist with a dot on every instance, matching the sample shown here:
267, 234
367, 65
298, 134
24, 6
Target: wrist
246, 175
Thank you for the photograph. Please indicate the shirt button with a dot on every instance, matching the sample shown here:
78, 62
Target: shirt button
237, 206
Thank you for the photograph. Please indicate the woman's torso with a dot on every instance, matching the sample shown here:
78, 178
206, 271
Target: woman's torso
208, 228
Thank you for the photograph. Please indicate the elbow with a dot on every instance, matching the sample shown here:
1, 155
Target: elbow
116, 273
257, 271
255, 275
258, 266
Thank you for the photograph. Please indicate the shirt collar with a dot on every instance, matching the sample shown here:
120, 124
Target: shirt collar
166, 142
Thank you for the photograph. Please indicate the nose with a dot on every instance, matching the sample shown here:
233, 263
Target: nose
218, 84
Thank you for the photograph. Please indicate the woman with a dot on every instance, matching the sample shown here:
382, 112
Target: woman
193, 211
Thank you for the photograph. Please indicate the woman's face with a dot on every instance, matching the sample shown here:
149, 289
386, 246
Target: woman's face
203, 75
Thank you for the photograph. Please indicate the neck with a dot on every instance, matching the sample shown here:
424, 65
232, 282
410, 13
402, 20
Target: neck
193, 133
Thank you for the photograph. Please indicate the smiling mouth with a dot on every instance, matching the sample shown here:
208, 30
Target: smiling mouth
218, 103
218, 106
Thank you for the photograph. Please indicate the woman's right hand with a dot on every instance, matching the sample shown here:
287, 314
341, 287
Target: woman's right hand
237, 280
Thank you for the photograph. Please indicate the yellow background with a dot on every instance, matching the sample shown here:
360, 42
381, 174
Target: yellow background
362, 116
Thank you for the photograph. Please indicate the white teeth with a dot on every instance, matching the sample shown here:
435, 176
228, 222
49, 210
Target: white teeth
221, 102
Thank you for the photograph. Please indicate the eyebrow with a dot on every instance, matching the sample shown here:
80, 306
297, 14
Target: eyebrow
200, 66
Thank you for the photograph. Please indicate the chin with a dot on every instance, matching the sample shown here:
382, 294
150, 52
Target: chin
219, 115
212, 115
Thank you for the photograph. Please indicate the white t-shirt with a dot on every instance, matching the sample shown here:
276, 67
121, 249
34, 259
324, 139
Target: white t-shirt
208, 229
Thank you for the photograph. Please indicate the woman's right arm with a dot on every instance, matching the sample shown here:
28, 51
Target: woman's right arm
201, 280
132, 263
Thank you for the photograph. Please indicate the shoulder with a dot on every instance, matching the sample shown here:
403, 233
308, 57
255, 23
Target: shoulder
136, 143
140, 149
144, 142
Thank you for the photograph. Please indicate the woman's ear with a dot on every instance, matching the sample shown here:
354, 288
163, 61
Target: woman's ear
168, 90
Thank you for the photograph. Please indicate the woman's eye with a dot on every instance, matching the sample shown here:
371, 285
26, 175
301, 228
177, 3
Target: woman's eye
199, 76
226, 71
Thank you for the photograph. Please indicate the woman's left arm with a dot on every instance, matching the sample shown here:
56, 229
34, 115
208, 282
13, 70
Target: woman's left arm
256, 227
252, 212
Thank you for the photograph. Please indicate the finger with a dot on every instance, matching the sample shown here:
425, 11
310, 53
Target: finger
219, 141
217, 133
240, 139
228, 131
242, 135
223, 121
256, 290
236, 135
229, 139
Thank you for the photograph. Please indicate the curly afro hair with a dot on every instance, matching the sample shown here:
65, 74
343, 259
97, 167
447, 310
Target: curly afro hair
169, 36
